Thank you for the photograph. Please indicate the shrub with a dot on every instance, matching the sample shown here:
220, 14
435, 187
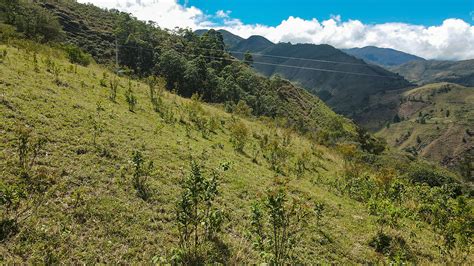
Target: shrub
28, 150
276, 227
242, 109
276, 152
197, 219
103, 80
140, 176
3, 55
130, 98
239, 134
114, 84
301, 164
77, 56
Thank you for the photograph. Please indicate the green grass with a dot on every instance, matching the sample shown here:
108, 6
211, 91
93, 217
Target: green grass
90, 212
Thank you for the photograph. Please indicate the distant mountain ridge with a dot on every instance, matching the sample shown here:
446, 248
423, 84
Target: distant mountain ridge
430, 71
382, 56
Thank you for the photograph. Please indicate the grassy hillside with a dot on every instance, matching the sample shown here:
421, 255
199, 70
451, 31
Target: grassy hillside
431, 71
77, 200
435, 122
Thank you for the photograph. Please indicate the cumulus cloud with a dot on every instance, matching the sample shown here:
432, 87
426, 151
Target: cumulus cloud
452, 40
166, 13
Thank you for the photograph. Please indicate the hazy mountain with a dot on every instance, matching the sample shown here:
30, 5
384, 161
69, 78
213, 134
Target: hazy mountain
382, 56
423, 72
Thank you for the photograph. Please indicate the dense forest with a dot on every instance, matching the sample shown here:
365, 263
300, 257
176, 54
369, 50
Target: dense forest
126, 143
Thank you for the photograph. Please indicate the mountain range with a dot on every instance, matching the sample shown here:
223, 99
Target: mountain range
343, 81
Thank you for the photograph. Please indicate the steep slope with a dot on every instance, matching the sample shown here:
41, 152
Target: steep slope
313, 67
382, 56
92, 211
431, 71
268, 97
435, 122
96, 168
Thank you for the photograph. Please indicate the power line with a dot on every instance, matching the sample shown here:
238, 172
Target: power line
282, 65
299, 67
293, 58
275, 56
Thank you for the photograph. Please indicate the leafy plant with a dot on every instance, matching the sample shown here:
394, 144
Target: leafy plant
114, 84
239, 134
197, 219
130, 98
141, 173
277, 226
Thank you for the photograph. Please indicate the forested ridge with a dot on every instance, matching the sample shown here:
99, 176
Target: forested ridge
184, 155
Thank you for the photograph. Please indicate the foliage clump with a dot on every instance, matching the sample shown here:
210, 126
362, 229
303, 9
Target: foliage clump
239, 134
277, 225
198, 220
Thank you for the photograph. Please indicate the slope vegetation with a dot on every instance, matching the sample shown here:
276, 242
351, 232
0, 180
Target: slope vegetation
435, 121
80, 200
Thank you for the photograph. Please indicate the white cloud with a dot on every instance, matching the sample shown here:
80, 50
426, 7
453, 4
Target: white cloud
222, 13
453, 39
167, 13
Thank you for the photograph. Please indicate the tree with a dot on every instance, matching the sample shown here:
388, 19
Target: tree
172, 66
34, 21
396, 119
369, 143
114, 84
130, 97
248, 58
77, 56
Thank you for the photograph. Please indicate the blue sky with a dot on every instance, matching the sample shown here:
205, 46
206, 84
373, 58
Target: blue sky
268, 12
